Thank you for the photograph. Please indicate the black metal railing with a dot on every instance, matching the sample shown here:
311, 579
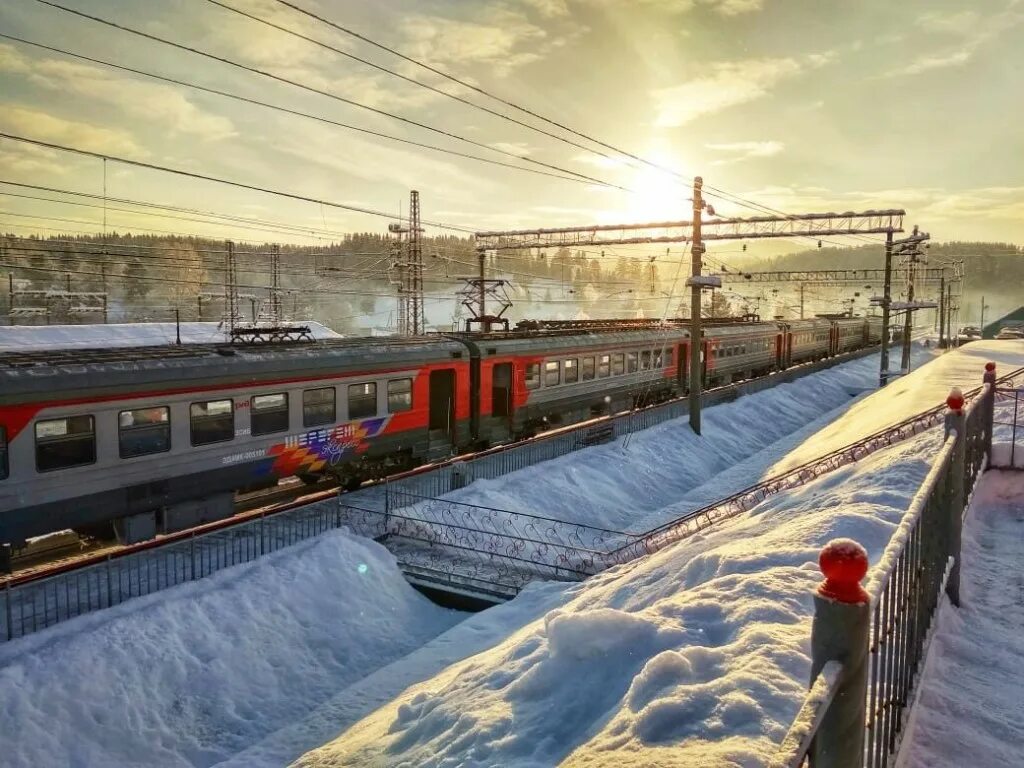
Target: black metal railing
921, 561
472, 546
1008, 429
28, 608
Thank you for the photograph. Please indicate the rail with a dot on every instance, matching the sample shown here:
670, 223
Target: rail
882, 633
1009, 427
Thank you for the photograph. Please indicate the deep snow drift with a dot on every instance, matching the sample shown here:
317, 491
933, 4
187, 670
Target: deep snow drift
970, 712
195, 674
695, 656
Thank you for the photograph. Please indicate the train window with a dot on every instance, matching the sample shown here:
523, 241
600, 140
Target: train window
659, 360
69, 442
552, 373
645, 360
587, 368
318, 406
632, 359
3, 454
212, 421
399, 395
604, 366
668, 356
143, 431
572, 371
269, 413
618, 364
533, 375
362, 400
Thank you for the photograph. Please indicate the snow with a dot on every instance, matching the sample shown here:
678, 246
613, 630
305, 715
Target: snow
28, 337
695, 656
969, 711
200, 672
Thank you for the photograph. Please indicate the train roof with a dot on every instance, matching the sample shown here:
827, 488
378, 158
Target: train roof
49, 371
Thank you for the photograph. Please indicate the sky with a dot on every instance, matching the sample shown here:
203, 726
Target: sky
800, 105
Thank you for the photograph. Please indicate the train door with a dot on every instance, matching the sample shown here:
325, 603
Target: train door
833, 339
442, 406
682, 361
501, 399
780, 361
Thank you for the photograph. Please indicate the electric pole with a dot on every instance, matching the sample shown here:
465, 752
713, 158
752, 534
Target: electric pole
943, 309
801, 301
886, 300
908, 320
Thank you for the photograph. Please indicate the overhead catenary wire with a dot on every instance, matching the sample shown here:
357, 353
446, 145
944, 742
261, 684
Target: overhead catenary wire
294, 112
322, 92
218, 180
709, 189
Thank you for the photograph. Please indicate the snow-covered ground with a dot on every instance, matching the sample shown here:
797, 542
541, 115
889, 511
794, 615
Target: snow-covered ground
970, 711
195, 674
28, 337
695, 656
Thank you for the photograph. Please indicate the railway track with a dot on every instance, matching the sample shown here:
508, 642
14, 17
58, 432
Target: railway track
293, 493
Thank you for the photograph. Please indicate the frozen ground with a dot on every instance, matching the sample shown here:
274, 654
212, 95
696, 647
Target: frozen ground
198, 673
696, 656
28, 337
970, 712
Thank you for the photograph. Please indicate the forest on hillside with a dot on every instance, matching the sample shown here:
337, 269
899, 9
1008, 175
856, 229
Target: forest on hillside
348, 284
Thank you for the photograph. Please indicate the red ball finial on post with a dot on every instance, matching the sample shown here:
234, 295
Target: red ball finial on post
955, 400
844, 563
990, 367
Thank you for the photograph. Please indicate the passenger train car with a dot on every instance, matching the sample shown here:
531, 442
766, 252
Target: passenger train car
157, 439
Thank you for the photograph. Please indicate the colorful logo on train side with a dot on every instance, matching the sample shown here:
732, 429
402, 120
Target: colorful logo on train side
320, 448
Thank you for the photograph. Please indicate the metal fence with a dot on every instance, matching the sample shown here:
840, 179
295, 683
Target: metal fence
30, 607
1009, 429
482, 549
902, 596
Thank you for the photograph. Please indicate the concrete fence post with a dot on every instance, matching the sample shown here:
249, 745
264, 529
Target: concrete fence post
989, 378
955, 425
840, 632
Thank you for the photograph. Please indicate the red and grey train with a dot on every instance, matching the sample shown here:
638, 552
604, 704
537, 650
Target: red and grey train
156, 439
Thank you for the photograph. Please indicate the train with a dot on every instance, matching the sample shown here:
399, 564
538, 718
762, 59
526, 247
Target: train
138, 441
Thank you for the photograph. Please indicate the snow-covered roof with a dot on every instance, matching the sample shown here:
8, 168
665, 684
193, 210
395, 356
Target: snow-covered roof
114, 335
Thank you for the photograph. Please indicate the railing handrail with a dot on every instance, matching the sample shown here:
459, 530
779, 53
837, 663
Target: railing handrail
879, 577
794, 747
517, 537
567, 523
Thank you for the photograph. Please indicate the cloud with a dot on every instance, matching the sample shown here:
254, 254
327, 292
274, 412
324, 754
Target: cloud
161, 104
928, 63
520, 148
500, 39
744, 150
956, 22
728, 84
549, 9
46, 127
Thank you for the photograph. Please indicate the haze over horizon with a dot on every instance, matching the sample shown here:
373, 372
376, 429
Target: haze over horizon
794, 105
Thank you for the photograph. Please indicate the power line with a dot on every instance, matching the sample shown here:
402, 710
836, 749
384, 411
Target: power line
328, 94
217, 180
400, 76
287, 110
720, 193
